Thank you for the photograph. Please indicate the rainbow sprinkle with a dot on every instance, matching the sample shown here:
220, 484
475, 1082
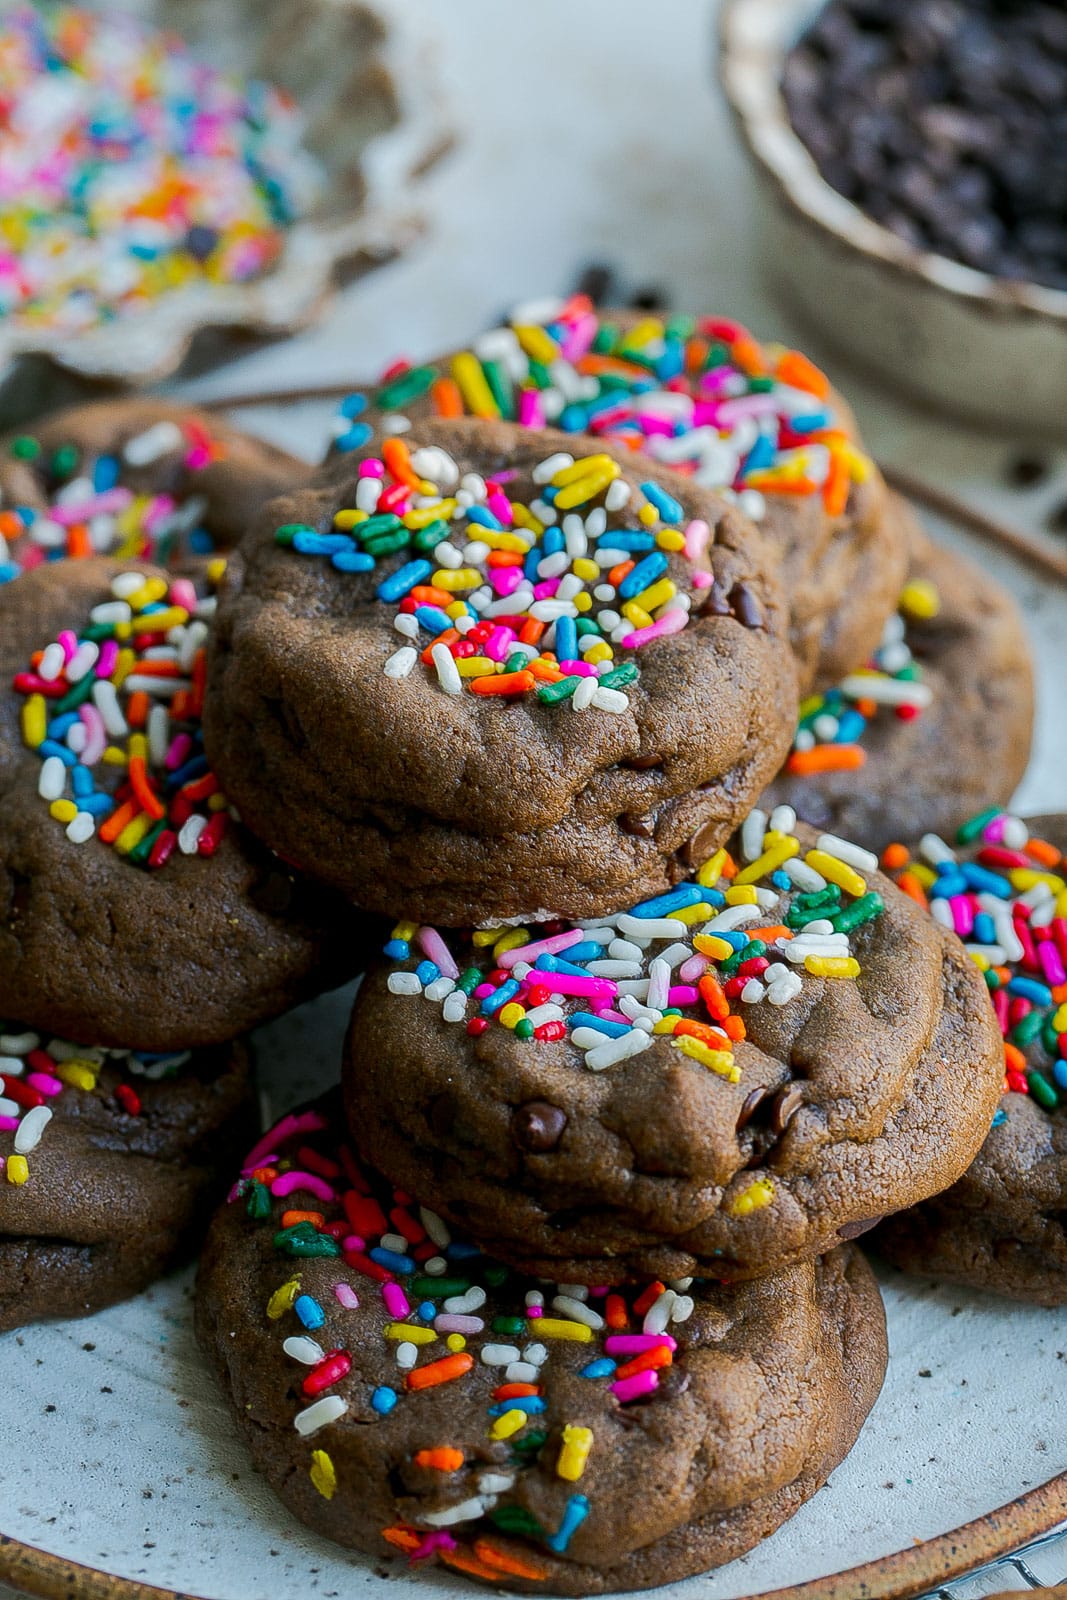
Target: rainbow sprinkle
34, 1073
1005, 895
698, 394
91, 511
497, 596
114, 715
737, 932
128, 170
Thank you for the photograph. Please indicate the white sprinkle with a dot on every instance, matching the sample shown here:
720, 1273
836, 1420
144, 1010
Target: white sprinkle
190, 833
783, 819
844, 850
934, 849
499, 1355
805, 878
437, 1266
939, 910
460, 1304
683, 1307
155, 442
582, 698
440, 988
616, 1050
1016, 833
455, 1006
659, 1312
587, 1038
782, 990
18, 1044
158, 734
465, 1511
406, 1355
403, 983
29, 1131
435, 1226
521, 1372
886, 691
307, 1351
368, 493
612, 969
546, 1013
110, 611
577, 1311
659, 983
752, 831
732, 917
81, 828
52, 663
646, 928
609, 699
447, 671
125, 584
494, 1483
618, 495
52, 778
329, 1409
995, 954
753, 992
536, 1354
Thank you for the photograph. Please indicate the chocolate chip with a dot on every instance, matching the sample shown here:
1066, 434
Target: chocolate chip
786, 1106
715, 603
639, 824
746, 608
538, 1126
852, 1230
753, 1100
702, 844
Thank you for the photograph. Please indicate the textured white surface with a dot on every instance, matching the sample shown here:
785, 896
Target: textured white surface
591, 132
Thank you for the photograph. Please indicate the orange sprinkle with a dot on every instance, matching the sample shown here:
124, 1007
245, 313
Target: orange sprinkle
768, 935
835, 488
531, 631
10, 525
617, 574
446, 396
734, 1028
1044, 852
615, 1312
799, 373
449, 636
437, 1372
463, 1561
696, 353
181, 706
110, 829
264, 1174
1059, 993
867, 708
291, 1218
137, 710
699, 1030
909, 884
504, 683
425, 594
79, 544
1013, 1057
158, 669
895, 856
443, 1459
771, 485
503, 1561
143, 792
397, 458
595, 366
501, 558
647, 1299
826, 758
713, 997
747, 353
543, 670
402, 1538
647, 1361
515, 1391
730, 868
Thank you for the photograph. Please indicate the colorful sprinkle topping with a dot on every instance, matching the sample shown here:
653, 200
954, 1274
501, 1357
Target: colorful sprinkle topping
447, 1315
93, 512
114, 715
700, 395
831, 726
497, 596
739, 932
129, 170
1005, 895
33, 1074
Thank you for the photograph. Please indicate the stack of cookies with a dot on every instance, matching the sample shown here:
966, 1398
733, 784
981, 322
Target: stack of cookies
588, 681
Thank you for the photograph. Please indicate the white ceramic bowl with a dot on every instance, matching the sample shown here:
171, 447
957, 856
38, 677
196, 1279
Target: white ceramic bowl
988, 349
365, 82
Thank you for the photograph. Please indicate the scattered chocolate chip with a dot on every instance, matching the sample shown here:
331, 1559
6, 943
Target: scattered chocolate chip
538, 1126
786, 1106
640, 825
746, 608
753, 1100
702, 844
852, 1230
715, 603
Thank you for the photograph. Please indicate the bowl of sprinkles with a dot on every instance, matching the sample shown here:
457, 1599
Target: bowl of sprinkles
147, 196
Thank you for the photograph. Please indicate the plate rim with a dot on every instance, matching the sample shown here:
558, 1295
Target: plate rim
904, 1574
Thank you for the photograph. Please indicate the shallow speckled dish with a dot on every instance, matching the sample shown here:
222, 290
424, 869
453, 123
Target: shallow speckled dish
980, 347
375, 122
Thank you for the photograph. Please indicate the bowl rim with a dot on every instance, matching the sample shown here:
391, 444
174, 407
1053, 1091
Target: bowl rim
753, 39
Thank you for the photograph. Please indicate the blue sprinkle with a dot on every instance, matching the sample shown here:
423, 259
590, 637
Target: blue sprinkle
645, 572
309, 1311
352, 561
603, 1368
1030, 989
984, 929
427, 1311
383, 1400
404, 579
354, 438
495, 1002
397, 950
530, 1403
948, 884
572, 419
982, 881
665, 503
391, 1259
736, 941
672, 361
574, 1514
552, 542
531, 562
8, 571
49, 747
1059, 1073
588, 950
59, 727
460, 1250
686, 894
559, 964
809, 421
195, 767
566, 639
781, 880
97, 805
432, 618
320, 544
627, 539
851, 727
484, 518
200, 542
105, 473
611, 1030
427, 971
761, 455
353, 405
1000, 1116
81, 780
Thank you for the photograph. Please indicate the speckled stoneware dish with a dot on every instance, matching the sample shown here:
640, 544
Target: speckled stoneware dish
364, 80
985, 348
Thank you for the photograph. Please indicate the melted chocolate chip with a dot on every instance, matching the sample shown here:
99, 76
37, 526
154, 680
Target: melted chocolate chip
786, 1106
538, 1126
746, 608
753, 1100
852, 1230
715, 604
640, 825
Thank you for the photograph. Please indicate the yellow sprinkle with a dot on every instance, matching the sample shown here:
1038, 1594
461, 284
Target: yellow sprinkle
458, 608
741, 894
452, 579
582, 601
151, 590
17, 1169
832, 966
640, 334
1023, 878
483, 936
473, 386
63, 811
511, 1013
1061, 904
574, 1452
405, 931
216, 570
125, 662
921, 599
508, 1424
633, 613
34, 721
410, 1331
808, 707
769, 861
349, 518
657, 594
711, 871
601, 651
719, 1061
583, 468
511, 940
77, 1074
583, 489
498, 539
559, 1328
322, 1474
648, 515
835, 871
585, 569
980, 961
217, 801
709, 944
538, 345
475, 666
670, 539
687, 915
859, 465
169, 617
114, 757
282, 1299
523, 517
456, 1342
754, 1198
666, 1024
133, 833
924, 874
138, 746
1059, 1020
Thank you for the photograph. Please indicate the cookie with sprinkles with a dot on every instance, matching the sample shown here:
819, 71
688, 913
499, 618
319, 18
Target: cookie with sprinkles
111, 1162
935, 728
724, 1079
407, 1395
135, 910
137, 479
1002, 884
485, 675
755, 421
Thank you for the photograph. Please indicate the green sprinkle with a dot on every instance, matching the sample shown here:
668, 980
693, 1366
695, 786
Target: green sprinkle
970, 830
500, 388
584, 626
515, 662
304, 1240
495, 1273
680, 328
258, 1206
1042, 1091
619, 677
1027, 1029
385, 544
865, 909
760, 385
384, 522
604, 342
24, 448
550, 693
524, 1028
470, 980
140, 853
438, 1288
508, 1325
428, 538
516, 1519
65, 460
540, 375
409, 386
289, 530
76, 697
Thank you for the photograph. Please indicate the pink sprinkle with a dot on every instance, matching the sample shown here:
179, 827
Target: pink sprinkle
635, 1344
433, 946
1051, 963
697, 537
96, 734
682, 994
993, 832
500, 506
613, 1016
354, 1241
483, 991
198, 458
396, 1301
159, 509
288, 1128
371, 469
716, 379
288, 1181
105, 661
570, 983
582, 669
541, 947
580, 337
183, 593
178, 752
453, 1322
68, 643
546, 590
651, 423
346, 1296
962, 914
439, 1540
504, 580
533, 1312
95, 505
605, 420
44, 1083
636, 1387
531, 411
31, 558
501, 639
670, 622
9, 1124
693, 968
702, 580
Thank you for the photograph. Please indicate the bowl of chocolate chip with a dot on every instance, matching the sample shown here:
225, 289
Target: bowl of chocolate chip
913, 157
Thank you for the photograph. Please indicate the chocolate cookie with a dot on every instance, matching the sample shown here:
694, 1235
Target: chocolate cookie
703, 397
399, 659
134, 910
135, 479
1003, 1225
402, 1392
726, 1079
938, 725
110, 1165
